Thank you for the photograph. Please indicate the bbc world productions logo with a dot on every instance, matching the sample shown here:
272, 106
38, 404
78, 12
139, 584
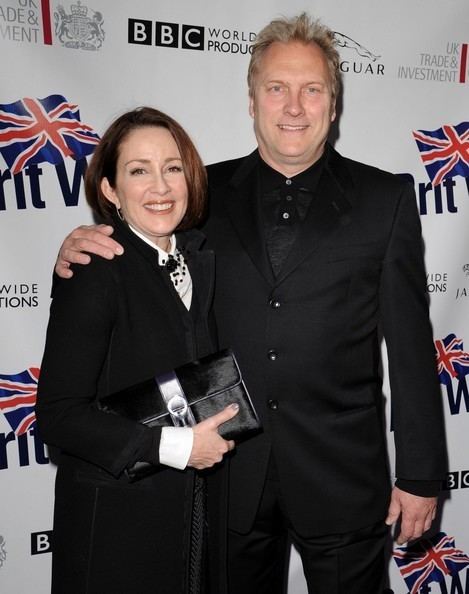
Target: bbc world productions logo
189, 37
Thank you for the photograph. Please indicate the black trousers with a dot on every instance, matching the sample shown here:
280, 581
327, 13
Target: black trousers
351, 563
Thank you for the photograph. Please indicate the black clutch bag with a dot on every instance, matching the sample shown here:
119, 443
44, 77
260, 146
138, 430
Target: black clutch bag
185, 396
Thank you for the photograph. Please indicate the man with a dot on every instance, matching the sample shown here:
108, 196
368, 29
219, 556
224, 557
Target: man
316, 255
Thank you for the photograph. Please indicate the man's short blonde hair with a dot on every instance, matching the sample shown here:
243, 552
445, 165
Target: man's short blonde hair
302, 29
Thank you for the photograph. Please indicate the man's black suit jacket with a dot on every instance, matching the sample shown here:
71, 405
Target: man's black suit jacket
308, 344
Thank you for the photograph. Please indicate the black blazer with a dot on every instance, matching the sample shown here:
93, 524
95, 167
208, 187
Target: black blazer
112, 325
308, 343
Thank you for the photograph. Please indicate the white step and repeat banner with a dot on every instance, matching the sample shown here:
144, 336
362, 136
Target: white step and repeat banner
68, 69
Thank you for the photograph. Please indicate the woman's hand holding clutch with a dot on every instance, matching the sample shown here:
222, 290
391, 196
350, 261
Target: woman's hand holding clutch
209, 447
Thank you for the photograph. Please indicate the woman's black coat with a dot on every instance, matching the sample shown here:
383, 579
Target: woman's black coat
114, 324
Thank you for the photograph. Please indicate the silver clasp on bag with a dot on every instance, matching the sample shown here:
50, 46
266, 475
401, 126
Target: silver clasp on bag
175, 400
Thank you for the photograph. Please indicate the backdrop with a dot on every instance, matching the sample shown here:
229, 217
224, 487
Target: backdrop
68, 69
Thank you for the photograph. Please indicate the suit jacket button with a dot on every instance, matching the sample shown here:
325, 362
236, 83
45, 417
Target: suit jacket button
272, 355
274, 303
272, 404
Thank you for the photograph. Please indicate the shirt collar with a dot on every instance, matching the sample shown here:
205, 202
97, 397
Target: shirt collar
307, 179
162, 254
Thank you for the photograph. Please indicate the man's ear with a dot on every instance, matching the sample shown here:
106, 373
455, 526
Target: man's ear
109, 192
251, 106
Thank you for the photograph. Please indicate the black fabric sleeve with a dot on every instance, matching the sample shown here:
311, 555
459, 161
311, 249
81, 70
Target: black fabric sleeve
83, 312
148, 449
416, 406
421, 488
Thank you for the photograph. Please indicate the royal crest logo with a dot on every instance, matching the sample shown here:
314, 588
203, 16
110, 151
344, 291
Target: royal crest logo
3, 552
79, 30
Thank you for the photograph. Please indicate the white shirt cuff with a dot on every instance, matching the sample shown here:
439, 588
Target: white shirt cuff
176, 446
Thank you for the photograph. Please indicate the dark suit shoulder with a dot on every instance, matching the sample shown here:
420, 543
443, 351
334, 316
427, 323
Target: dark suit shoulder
364, 174
220, 173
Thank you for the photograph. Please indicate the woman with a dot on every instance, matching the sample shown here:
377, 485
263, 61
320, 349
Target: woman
133, 317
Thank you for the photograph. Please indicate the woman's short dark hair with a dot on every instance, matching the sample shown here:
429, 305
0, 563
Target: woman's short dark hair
104, 161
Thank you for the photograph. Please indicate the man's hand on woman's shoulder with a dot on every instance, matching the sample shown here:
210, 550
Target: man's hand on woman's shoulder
85, 240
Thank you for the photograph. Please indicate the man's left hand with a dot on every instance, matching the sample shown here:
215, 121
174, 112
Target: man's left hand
417, 514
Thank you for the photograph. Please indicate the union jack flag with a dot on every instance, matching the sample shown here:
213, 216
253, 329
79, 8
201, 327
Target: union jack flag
429, 560
37, 130
18, 398
445, 151
451, 359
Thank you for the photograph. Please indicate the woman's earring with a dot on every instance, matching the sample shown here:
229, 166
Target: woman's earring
119, 213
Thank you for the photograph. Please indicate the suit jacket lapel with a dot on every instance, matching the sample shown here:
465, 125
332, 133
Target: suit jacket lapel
329, 209
243, 209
